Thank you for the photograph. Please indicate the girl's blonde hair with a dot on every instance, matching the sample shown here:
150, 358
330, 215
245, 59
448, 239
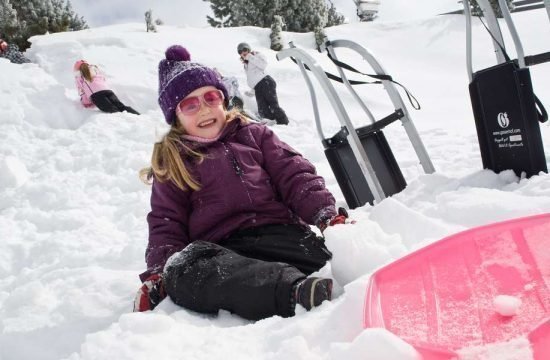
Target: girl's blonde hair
86, 72
167, 163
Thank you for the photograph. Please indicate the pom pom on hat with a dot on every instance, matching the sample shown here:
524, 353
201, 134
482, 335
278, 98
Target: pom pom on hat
78, 64
178, 77
177, 53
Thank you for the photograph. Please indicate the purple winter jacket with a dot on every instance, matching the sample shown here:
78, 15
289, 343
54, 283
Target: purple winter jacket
249, 178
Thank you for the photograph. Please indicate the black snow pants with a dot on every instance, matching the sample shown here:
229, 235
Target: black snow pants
268, 104
108, 102
250, 274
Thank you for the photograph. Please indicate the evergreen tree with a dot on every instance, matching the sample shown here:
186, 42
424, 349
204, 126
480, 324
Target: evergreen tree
258, 13
298, 15
276, 33
9, 25
149, 21
476, 10
32, 15
36, 17
303, 15
76, 22
222, 13
333, 16
320, 35
58, 20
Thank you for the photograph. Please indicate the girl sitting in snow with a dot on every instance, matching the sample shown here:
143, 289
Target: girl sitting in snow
230, 205
93, 89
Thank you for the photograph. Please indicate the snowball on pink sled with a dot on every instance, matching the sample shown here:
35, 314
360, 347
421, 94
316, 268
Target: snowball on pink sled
506, 305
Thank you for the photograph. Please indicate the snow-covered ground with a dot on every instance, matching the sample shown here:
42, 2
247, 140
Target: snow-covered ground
72, 209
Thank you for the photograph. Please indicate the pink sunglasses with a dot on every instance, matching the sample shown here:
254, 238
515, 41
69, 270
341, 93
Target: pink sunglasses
192, 105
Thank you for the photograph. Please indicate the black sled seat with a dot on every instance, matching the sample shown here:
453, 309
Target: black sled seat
506, 111
361, 159
348, 173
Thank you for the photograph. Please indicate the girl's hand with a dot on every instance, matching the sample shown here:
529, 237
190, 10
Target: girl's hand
341, 218
150, 294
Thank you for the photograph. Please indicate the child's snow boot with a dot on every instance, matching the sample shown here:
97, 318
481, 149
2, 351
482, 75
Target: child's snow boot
312, 292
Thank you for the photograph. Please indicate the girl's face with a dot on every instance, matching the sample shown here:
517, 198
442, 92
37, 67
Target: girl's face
201, 113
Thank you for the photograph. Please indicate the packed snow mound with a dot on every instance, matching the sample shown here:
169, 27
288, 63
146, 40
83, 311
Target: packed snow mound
13, 172
73, 210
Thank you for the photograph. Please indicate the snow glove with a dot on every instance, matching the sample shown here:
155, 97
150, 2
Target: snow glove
341, 218
150, 294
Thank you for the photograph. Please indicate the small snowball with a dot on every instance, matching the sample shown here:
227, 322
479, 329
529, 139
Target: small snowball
507, 305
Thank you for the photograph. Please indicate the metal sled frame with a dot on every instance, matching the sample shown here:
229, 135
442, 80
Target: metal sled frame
303, 59
494, 28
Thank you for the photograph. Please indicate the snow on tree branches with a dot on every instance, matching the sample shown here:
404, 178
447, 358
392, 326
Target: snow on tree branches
21, 19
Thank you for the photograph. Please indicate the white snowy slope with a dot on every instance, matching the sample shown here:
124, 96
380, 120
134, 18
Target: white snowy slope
72, 209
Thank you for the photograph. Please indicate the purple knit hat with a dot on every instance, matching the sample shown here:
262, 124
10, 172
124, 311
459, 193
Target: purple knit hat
178, 77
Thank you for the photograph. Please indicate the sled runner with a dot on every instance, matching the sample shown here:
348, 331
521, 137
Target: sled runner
506, 111
361, 159
441, 298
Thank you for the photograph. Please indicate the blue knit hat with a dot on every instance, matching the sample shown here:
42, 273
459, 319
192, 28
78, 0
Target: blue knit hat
178, 77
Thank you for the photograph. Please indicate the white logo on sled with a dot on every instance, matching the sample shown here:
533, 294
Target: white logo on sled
503, 120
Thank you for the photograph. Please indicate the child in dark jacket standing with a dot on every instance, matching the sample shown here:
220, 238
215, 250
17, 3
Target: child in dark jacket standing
230, 207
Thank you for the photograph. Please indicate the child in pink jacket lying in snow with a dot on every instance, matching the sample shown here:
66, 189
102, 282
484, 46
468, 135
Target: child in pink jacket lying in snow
93, 89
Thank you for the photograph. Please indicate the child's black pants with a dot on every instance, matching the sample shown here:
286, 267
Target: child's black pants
267, 101
250, 274
108, 102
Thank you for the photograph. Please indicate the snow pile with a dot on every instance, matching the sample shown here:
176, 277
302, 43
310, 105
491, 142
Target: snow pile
72, 209
15, 173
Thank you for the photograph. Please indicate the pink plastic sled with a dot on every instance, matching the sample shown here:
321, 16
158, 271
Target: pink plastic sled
440, 298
